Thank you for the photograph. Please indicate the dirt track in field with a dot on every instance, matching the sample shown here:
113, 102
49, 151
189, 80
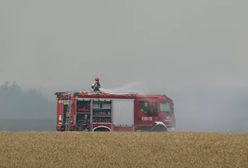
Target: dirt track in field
121, 149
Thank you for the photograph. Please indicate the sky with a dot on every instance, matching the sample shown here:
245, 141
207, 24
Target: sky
154, 46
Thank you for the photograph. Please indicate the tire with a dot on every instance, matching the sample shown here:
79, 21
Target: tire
159, 128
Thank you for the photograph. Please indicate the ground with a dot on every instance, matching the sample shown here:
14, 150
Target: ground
122, 149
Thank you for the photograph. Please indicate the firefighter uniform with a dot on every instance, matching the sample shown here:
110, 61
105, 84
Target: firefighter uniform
96, 85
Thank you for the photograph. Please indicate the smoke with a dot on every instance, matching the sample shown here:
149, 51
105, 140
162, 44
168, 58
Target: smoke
16, 103
211, 109
25, 109
205, 109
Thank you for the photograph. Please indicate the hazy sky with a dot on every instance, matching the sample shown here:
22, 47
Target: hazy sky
196, 51
164, 44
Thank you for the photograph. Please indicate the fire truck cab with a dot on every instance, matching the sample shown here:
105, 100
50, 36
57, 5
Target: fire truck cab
99, 111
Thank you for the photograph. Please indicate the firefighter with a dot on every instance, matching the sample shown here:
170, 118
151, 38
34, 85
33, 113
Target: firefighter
96, 85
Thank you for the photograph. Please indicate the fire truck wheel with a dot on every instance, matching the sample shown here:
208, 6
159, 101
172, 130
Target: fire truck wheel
159, 128
101, 129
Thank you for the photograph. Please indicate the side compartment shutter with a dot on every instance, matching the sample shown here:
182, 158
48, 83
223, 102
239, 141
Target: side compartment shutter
123, 114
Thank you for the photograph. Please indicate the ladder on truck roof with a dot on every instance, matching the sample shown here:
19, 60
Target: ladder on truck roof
68, 113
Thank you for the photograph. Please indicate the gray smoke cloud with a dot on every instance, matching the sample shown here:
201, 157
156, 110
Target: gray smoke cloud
22, 110
196, 109
211, 109
17, 103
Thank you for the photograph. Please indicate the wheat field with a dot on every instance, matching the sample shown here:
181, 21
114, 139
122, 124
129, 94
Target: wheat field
123, 149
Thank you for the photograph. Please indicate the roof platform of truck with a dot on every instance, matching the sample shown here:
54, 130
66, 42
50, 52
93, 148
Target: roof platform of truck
105, 95
83, 94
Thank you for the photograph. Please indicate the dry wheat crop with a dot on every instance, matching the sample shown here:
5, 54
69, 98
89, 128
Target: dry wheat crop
122, 149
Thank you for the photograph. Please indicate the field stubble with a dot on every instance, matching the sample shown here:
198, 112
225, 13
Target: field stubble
122, 149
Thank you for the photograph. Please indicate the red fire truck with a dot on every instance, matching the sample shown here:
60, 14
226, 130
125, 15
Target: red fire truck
100, 111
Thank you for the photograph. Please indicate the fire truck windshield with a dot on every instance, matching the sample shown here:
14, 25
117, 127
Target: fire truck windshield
165, 107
